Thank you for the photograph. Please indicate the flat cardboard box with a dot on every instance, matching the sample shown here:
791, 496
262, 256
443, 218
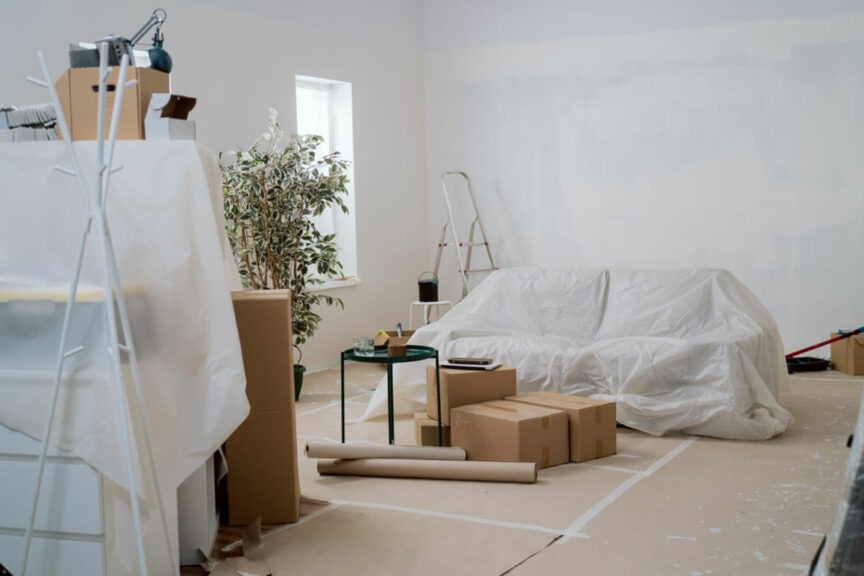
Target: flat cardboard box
502, 431
426, 431
848, 354
593, 426
461, 387
262, 453
167, 117
79, 100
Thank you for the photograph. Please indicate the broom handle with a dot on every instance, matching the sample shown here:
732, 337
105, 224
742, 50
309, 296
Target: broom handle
829, 341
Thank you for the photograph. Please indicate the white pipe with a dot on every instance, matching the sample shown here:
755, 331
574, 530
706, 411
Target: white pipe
105, 169
136, 379
64, 332
55, 391
111, 322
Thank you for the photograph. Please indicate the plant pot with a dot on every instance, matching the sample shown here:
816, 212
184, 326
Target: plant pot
299, 369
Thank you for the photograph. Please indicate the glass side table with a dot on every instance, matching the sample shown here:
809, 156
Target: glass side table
413, 353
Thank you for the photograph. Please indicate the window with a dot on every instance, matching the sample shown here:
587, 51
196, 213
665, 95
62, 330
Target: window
324, 108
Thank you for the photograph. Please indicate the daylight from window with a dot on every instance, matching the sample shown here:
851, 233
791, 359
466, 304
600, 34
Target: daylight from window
324, 108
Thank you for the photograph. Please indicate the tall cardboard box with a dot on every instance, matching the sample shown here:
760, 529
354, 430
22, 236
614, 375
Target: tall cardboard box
426, 431
78, 91
501, 431
848, 354
593, 425
262, 453
461, 387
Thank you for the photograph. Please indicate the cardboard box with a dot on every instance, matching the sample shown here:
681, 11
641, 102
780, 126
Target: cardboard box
461, 387
262, 453
396, 345
78, 91
593, 426
167, 117
501, 431
264, 324
848, 354
426, 431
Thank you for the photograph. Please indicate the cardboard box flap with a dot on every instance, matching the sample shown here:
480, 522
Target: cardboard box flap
511, 411
170, 106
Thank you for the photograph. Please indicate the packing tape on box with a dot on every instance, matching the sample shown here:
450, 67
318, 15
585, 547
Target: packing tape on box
358, 451
522, 472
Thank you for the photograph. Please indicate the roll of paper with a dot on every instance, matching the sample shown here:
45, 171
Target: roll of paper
524, 472
357, 451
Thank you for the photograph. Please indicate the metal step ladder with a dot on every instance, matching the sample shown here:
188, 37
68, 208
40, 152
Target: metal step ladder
465, 269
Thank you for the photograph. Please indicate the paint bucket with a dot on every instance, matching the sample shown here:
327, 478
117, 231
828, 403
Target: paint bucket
428, 287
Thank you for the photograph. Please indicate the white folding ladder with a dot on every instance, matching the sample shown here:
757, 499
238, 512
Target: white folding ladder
465, 269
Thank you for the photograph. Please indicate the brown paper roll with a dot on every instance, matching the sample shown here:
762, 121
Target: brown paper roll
525, 472
356, 451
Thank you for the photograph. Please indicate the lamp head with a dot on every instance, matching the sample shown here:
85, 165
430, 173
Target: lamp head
159, 58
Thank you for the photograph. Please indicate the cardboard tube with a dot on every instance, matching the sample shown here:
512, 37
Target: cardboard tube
524, 472
356, 451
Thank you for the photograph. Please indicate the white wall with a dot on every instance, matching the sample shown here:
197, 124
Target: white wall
662, 134
238, 59
670, 133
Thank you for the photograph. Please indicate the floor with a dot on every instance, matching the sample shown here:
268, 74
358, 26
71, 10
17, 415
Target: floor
672, 505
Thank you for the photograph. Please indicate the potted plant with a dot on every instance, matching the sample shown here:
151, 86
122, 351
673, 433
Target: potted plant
272, 192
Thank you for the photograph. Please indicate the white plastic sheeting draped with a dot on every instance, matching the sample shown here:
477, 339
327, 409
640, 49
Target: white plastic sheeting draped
690, 351
164, 210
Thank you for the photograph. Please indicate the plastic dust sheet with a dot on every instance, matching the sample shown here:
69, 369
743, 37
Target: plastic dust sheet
165, 217
690, 351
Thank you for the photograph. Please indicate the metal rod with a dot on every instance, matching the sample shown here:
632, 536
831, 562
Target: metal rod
342, 356
112, 134
826, 342
126, 432
390, 426
129, 348
55, 391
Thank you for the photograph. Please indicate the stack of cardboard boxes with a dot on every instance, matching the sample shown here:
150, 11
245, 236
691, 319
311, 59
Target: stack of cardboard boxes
481, 412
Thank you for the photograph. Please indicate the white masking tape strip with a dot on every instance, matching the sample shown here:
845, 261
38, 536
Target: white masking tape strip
462, 517
333, 403
575, 529
611, 468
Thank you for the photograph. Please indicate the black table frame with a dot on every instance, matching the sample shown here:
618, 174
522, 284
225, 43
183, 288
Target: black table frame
413, 354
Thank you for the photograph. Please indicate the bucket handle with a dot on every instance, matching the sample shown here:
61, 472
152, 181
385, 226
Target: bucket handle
434, 276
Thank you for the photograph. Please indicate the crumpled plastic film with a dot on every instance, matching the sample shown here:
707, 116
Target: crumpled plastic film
165, 219
690, 351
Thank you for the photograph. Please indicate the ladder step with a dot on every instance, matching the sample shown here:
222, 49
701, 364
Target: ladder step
474, 244
479, 270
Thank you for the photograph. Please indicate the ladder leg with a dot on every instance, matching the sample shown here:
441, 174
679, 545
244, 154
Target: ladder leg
441, 245
470, 248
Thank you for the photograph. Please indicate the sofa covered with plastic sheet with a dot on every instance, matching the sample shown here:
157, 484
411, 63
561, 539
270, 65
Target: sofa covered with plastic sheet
690, 351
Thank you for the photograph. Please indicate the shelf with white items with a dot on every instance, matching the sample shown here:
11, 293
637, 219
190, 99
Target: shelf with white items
69, 527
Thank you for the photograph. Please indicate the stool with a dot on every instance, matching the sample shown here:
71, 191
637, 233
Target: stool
426, 307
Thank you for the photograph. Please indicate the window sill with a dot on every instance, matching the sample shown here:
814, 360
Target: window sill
334, 284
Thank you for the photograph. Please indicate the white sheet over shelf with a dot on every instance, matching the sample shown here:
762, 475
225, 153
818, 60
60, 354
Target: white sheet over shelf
164, 211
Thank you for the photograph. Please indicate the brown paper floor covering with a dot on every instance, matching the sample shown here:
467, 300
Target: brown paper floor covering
672, 505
